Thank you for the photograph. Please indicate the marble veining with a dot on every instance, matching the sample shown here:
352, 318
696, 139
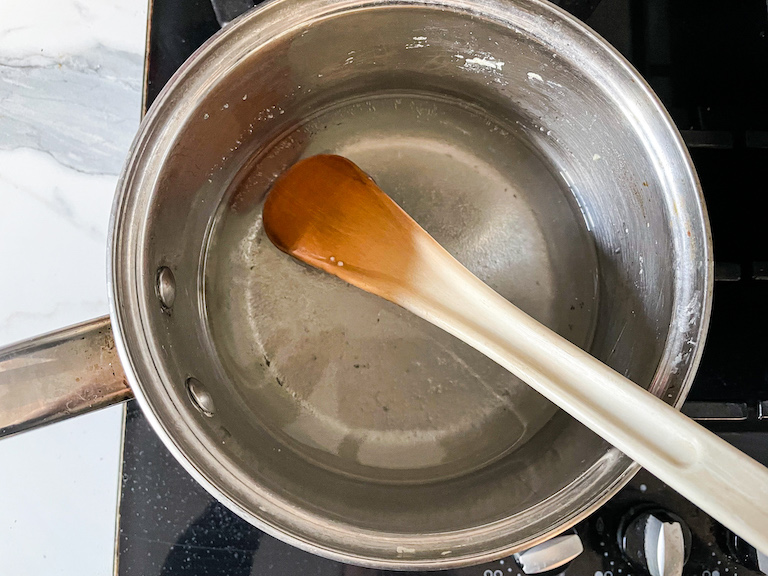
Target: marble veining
79, 109
70, 103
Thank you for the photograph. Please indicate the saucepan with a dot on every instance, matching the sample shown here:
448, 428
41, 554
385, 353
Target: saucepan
334, 420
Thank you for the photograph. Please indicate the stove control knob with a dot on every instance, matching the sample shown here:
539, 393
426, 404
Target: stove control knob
746, 554
553, 553
655, 541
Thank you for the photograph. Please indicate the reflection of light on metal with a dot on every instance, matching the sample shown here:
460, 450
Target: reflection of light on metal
62, 374
23, 362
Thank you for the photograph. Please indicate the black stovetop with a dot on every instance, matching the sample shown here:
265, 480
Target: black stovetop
708, 62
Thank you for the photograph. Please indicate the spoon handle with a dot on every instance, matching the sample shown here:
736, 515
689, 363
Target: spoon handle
712, 474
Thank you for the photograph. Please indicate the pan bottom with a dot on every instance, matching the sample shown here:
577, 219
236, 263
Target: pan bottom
354, 383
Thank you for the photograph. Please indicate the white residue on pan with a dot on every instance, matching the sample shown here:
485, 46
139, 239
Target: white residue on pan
269, 113
693, 311
486, 62
679, 359
693, 308
418, 42
481, 62
534, 76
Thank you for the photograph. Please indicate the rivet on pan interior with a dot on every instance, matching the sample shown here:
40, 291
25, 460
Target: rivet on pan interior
166, 287
200, 396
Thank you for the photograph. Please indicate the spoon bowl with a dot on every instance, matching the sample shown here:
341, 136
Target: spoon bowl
326, 212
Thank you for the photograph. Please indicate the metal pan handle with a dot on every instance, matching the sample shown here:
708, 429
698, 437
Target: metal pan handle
58, 375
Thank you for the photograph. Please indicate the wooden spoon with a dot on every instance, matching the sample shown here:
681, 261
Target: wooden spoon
327, 212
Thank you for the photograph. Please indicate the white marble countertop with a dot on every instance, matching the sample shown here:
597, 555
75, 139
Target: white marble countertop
70, 102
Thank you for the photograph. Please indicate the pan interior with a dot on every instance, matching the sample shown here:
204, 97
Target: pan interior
356, 385
331, 418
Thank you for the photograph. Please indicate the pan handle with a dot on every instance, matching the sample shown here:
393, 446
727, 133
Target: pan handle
58, 375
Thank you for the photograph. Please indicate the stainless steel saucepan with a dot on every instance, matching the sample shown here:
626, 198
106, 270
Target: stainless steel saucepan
329, 418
